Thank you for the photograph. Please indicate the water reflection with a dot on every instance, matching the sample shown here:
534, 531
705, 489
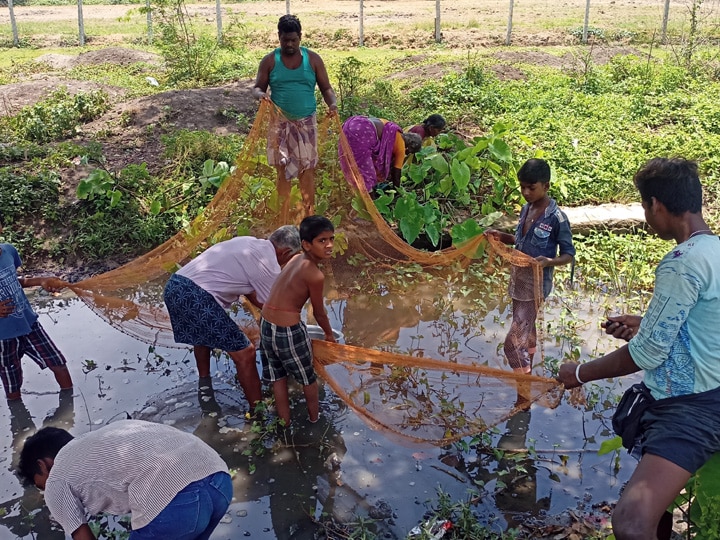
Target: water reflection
390, 314
27, 513
348, 468
297, 470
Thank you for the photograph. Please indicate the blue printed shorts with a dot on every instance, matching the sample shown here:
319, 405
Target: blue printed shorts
198, 319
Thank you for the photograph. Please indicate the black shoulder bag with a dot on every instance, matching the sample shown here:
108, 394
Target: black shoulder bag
626, 420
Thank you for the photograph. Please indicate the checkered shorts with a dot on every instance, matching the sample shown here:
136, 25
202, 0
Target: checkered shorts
286, 349
37, 345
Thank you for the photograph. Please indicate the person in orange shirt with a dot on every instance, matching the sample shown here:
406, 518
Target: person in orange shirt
379, 148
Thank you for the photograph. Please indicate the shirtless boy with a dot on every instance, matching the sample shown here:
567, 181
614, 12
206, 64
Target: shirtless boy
284, 341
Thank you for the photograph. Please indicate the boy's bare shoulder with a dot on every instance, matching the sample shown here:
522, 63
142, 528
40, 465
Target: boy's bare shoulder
311, 271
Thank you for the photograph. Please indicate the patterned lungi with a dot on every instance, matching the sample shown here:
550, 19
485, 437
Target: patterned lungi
198, 319
292, 144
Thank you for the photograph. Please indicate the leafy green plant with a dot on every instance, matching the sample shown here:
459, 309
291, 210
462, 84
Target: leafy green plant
100, 183
190, 51
700, 501
59, 115
188, 150
22, 196
448, 183
349, 80
594, 33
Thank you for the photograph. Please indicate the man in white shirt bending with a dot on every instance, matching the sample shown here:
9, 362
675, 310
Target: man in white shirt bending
171, 483
198, 295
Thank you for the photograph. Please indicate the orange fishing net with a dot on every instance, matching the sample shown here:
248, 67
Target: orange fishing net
419, 399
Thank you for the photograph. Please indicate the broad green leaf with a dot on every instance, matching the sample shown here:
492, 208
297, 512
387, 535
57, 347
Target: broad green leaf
461, 174
430, 214
155, 207
501, 150
446, 184
433, 232
705, 509
490, 218
439, 164
462, 232
473, 162
208, 167
610, 445
382, 202
415, 173
481, 145
462, 155
114, 198
216, 180
493, 167
410, 228
84, 189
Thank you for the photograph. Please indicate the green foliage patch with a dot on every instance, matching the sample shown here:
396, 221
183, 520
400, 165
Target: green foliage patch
58, 116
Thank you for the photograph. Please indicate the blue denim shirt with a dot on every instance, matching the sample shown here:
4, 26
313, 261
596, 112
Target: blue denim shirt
545, 236
20, 321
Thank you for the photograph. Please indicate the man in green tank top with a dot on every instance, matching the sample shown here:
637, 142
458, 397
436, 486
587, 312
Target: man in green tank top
292, 72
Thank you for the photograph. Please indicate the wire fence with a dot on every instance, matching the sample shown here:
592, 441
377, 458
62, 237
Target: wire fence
504, 21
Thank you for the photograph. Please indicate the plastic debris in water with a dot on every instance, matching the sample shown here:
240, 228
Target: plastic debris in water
433, 530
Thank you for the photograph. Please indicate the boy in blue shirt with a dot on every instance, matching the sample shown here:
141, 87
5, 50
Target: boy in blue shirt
20, 331
543, 232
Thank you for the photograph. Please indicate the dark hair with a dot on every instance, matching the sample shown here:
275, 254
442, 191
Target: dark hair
533, 171
313, 226
289, 24
672, 181
46, 443
434, 121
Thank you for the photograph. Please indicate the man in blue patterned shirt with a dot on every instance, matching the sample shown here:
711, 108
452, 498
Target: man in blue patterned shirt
677, 345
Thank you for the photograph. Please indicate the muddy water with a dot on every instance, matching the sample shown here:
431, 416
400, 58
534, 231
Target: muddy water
340, 467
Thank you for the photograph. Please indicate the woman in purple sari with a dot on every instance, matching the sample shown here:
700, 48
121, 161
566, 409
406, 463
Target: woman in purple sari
378, 147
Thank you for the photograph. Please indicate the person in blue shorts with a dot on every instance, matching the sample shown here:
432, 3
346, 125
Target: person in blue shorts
676, 344
20, 331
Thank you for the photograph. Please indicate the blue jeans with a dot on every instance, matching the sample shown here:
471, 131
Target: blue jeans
194, 512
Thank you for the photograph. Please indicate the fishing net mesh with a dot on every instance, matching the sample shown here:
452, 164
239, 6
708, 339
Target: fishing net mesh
419, 399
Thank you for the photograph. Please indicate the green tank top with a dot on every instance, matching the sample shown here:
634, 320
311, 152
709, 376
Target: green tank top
293, 90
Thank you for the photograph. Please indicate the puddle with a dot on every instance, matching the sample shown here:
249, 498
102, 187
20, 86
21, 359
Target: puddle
340, 467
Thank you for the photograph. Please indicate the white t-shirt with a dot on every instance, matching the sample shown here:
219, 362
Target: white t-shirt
130, 466
233, 268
